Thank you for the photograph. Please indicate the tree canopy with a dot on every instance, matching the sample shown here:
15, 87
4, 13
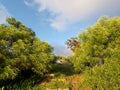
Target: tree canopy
99, 54
21, 50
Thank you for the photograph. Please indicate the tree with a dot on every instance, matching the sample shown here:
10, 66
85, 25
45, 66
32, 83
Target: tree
21, 51
73, 43
98, 42
98, 58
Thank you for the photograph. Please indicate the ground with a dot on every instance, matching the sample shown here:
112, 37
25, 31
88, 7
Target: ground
63, 78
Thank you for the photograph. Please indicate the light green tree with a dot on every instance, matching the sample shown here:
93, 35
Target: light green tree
21, 51
98, 43
99, 54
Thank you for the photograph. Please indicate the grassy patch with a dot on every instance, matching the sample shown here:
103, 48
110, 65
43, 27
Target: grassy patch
55, 84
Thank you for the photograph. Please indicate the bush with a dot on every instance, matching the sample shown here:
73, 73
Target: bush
105, 77
20, 83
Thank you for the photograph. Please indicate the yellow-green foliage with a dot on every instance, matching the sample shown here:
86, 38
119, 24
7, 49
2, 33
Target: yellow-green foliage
21, 50
105, 77
99, 55
98, 43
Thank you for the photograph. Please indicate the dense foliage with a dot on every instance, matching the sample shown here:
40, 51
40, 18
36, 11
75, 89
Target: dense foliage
21, 51
105, 77
99, 54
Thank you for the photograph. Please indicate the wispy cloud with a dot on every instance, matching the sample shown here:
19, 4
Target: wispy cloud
3, 13
29, 3
67, 12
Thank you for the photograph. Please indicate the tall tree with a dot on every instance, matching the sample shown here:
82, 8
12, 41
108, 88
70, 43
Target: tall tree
97, 43
22, 51
98, 58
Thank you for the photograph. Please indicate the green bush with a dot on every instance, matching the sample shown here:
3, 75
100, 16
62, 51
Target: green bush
21, 83
105, 77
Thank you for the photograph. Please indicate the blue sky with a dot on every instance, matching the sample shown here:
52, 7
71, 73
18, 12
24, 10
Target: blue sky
55, 21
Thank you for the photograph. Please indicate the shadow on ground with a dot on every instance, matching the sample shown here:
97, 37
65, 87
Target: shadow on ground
64, 68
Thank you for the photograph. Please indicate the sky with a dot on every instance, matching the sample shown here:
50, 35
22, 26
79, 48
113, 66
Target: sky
55, 21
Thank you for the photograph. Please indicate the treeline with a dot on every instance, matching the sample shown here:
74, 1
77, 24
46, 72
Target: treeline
96, 56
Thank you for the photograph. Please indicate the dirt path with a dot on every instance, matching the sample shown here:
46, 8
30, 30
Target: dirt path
74, 81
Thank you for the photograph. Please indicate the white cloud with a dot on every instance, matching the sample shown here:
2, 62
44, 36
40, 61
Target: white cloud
61, 50
68, 12
3, 13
